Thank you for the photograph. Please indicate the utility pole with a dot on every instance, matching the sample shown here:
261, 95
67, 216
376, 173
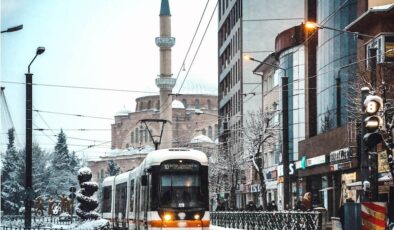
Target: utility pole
285, 141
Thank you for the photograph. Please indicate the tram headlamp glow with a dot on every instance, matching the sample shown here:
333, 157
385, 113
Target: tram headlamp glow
167, 217
197, 216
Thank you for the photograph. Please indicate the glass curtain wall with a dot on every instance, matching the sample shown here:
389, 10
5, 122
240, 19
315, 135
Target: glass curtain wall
335, 51
293, 61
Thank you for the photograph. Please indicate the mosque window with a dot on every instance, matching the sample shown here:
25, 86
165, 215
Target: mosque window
132, 137
209, 104
141, 106
136, 135
157, 105
210, 132
184, 103
149, 105
197, 104
204, 132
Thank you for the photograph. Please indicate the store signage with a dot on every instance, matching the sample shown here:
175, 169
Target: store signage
340, 155
341, 166
291, 169
316, 160
272, 175
255, 188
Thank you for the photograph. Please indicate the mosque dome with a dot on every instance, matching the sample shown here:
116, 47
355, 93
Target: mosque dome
201, 139
123, 112
177, 105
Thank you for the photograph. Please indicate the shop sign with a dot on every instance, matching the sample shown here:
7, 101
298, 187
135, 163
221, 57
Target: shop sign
340, 155
291, 169
255, 188
341, 166
272, 175
383, 162
316, 160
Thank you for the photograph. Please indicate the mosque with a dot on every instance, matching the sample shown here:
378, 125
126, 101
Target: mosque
191, 118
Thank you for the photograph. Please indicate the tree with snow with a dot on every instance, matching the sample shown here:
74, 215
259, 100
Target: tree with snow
63, 167
12, 178
261, 133
87, 203
113, 168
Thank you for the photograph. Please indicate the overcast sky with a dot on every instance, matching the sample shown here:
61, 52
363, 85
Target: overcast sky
98, 44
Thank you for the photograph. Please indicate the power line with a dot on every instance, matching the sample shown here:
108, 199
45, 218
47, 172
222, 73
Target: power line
70, 114
80, 87
42, 129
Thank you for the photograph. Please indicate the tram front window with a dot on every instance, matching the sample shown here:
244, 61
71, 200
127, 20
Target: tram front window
180, 191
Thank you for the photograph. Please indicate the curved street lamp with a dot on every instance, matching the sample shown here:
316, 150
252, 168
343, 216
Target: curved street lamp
29, 138
12, 29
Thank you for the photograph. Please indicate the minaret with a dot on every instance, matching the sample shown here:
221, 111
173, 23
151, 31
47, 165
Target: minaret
165, 82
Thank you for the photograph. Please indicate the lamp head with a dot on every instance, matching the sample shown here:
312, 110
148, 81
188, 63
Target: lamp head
40, 50
311, 25
247, 57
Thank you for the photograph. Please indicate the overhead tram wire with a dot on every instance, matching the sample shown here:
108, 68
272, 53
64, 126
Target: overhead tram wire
70, 114
81, 87
195, 54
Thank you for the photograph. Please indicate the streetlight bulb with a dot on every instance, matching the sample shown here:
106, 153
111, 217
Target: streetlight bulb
40, 50
247, 57
311, 25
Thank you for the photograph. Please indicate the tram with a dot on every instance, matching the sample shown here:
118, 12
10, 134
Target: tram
168, 190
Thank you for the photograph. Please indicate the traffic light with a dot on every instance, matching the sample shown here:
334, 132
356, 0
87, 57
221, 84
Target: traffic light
373, 121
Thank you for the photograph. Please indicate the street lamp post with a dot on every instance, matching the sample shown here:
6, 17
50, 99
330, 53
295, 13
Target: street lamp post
29, 134
314, 25
12, 29
285, 134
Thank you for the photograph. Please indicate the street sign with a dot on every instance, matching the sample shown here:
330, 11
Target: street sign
72, 195
73, 189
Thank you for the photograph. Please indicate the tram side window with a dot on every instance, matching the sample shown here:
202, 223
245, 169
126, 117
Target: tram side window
107, 194
131, 195
120, 200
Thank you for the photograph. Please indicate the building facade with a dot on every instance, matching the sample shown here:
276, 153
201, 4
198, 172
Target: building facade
246, 27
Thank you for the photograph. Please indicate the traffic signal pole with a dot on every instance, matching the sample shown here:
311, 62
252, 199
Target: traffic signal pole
363, 151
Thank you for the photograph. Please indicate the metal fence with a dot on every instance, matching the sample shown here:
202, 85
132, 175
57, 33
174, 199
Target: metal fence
16, 222
276, 220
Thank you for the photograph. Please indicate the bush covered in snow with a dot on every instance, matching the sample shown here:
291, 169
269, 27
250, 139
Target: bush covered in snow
87, 203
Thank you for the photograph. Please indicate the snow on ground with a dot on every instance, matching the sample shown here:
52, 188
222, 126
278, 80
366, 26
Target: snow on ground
213, 227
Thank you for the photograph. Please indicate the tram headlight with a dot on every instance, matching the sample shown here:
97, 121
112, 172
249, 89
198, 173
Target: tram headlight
197, 216
167, 216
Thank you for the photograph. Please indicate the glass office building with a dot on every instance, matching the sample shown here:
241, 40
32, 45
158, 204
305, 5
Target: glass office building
335, 52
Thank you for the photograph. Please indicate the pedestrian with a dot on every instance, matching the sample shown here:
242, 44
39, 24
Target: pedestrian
306, 203
251, 206
273, 206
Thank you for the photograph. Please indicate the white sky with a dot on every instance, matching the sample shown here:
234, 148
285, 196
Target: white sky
95, 43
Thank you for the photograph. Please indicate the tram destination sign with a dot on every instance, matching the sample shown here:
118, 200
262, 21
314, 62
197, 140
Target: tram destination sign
175, 166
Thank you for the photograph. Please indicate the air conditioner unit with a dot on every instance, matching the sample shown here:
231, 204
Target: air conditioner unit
384, 45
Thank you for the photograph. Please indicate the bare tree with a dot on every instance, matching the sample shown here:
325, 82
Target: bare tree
260, 133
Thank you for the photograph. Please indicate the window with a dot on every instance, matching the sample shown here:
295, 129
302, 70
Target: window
132, 137
136, 135
131, 208
102, 173
107, 195
209, 104
210, 132
184, 103
149, 105
197, 104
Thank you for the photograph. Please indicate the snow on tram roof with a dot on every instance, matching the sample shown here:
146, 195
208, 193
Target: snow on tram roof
158, 156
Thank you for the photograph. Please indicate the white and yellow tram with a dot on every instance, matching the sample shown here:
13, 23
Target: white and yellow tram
169, 190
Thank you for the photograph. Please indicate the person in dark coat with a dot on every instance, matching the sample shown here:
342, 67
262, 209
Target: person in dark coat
251, 206
306, 202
